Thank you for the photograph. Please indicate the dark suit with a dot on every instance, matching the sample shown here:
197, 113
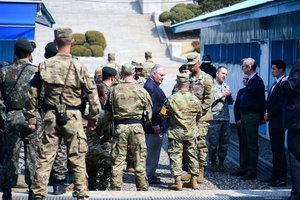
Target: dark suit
291, 119
253, 106
276, 132
153, 141
237, 114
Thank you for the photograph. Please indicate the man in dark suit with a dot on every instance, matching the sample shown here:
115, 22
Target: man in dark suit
276, 131
237, 111
253, 106
291, 121
155, 131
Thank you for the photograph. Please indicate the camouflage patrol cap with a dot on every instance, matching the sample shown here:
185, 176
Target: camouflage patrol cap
192, 58
182, 78
24, 44
127, 69
148, 53
50, 50
111, 56
109, 71
65, 32
137, 64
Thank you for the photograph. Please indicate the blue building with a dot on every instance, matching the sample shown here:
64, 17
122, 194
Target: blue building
18, 19
262, 29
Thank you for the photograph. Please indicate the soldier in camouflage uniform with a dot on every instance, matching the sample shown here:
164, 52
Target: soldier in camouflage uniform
59, 168
111, 57
218, 131
98, 159
184, 110
139, 76
129, 102
201, 85
148, 64
14, 82
65, 81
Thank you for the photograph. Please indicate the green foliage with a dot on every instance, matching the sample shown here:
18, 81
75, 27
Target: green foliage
180, 5
80, 50
79, 38
165, 16
95, 38
180, 14
97, 50
194, 8
211, 5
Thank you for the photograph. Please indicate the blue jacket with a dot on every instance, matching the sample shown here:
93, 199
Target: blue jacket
158, 98
253, 100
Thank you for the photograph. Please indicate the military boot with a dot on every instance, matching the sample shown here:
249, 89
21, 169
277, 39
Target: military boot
58, 187
177, 185
201, 175
192, 183
214, 166
186, 177
6, 194
221, 167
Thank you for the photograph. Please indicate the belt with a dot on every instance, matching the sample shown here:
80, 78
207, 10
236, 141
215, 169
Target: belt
46, 107
12, 109
128, 121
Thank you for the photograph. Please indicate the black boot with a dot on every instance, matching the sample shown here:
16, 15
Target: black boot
58, 187
6, 194
30, 195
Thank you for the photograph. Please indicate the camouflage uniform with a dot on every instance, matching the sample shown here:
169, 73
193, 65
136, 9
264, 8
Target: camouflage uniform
129, 101
218, 132
98, 159
184, 111
148, 65
201, 85
16, 130
52, 74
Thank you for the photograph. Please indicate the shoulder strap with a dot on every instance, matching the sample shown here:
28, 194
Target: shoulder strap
6, 97
60, 96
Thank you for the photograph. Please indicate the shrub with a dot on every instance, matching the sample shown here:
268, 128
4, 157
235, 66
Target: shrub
80, 50
79, 38
180, 5
97, 50
164, 16
180, 14
194, 8
95, 38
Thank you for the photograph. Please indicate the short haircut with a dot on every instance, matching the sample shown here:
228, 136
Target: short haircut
280, 64
250, 62
156, 68
63, 42
222, 67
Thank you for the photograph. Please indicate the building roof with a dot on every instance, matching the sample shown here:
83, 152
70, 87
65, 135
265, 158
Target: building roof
249, 9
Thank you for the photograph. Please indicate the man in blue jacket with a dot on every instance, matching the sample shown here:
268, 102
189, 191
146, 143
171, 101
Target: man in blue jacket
253, 106
155, 131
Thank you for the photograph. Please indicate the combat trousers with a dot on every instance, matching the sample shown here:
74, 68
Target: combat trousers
201, 143
75, 139
98, 162
17, 131
134, 136
218, 140
249, 141
188, 147
60, 168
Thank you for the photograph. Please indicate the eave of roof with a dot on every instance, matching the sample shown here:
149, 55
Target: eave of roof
250, 9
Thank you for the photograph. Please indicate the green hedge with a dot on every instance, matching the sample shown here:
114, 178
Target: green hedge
92, 43
180, 14
164, 16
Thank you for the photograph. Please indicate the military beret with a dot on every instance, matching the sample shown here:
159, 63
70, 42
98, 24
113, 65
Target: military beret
62, 33
50, 50
148, 53
183, 67
192, 58
24, 44
109, 71
137, 64
111, 56
183, 78
127, 69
